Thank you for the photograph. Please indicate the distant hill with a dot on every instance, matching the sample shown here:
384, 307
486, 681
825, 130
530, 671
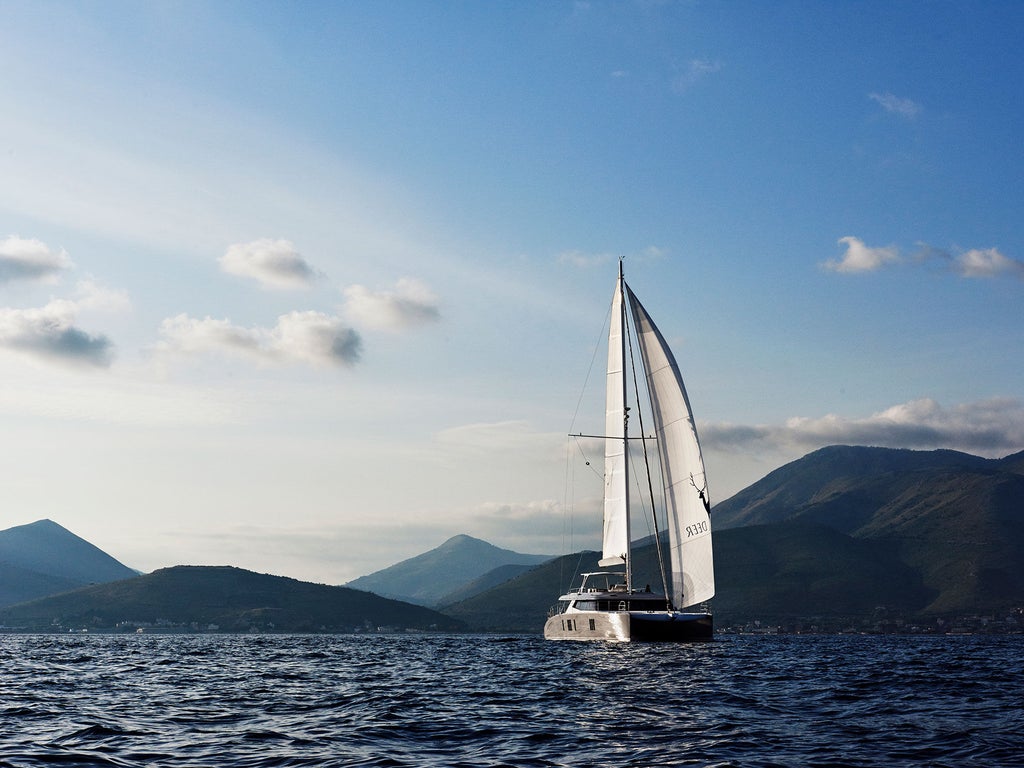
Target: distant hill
222, 598
839, 533
429, 578
43, 558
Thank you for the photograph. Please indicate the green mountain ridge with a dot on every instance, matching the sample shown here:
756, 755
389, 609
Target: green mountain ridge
222, 598
956, 519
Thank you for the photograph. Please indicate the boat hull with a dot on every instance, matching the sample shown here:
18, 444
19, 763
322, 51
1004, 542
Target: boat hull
630, 626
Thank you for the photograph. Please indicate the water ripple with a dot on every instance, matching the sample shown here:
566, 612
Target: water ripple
149, 701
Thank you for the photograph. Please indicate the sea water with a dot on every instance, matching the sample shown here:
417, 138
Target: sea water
226, 701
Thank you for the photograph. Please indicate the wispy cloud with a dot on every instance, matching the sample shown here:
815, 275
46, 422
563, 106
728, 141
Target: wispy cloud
461, 445
27, 259
973, 263
988, 427
490, 436
298, 337
49, 333
987, 263
905, 108
537, 525
583, 259
861, 258
409, 305
696, 70
273, 263
90, 295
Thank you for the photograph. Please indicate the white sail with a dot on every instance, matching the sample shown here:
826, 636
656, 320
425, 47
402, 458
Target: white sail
686, 495
616, 506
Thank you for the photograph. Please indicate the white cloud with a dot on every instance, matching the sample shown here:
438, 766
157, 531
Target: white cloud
410, 304
273, 263
306, 337
695, 71
905, 108
988, 427
976, 262
861, 258
24, 259
90, 295
49, 333
987, 263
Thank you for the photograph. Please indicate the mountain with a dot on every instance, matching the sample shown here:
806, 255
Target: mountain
956, 519
428, 578
224, 598
491, 579
843, 532
43, 558
843, 484
777, 571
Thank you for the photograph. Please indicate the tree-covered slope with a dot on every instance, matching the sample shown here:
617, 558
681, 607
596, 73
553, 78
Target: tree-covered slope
226, 598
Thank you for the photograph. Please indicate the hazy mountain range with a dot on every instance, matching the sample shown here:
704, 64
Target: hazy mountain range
457, 569
43, 558
843, 533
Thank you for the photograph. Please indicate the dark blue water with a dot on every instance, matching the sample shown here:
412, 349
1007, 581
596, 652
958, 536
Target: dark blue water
225, 701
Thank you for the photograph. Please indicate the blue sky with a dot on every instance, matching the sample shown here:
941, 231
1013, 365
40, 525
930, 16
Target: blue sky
309, 288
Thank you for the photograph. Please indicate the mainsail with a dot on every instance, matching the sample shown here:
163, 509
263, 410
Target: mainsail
686, 495
616, 478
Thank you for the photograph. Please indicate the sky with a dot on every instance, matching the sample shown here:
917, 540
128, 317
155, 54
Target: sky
308, 288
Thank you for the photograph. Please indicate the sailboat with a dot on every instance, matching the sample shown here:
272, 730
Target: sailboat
607, 605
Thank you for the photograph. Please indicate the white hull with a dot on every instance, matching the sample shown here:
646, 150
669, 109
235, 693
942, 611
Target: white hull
630, 626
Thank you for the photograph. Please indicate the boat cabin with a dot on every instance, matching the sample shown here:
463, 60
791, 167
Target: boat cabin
606, 591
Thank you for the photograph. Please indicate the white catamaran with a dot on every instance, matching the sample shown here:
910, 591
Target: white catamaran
607, 605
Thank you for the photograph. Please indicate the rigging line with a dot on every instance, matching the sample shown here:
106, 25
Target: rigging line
566, 510
590, 370
647, 463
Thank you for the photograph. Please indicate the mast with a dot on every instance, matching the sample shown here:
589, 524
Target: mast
623, 335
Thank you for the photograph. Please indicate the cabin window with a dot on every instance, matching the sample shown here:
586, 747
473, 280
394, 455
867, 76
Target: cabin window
586, 605
592, 627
